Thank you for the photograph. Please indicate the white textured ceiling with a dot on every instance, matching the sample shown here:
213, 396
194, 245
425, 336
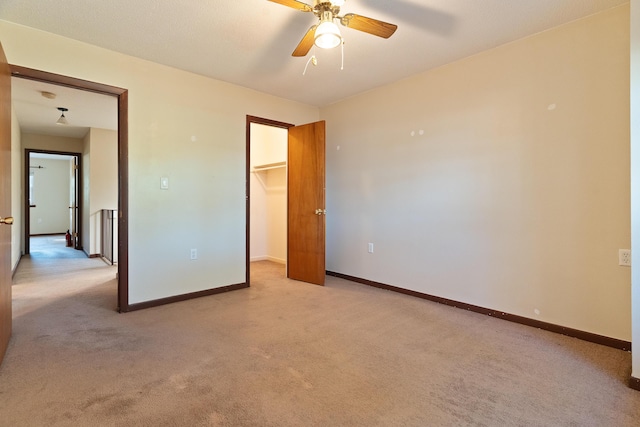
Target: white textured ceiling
37, 114
249, 42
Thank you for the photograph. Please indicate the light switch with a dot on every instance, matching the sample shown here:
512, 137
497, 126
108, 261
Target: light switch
164, 183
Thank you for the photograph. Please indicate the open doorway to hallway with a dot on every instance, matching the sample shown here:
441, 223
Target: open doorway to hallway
69, 182
52, 197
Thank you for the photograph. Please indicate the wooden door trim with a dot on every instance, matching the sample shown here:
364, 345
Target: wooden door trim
260, 121
26, 204
123, 161
60, 80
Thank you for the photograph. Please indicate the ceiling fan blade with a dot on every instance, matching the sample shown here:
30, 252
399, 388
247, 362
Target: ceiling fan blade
306, 43
368, 25
294, 4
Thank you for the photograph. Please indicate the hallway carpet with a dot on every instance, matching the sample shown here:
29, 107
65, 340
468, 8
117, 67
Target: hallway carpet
54, 246
285, 353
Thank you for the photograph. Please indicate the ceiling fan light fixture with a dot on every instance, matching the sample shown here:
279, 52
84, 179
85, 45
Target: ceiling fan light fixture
62, 120
327, 35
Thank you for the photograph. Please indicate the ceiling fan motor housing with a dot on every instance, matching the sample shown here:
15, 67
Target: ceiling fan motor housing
321, 8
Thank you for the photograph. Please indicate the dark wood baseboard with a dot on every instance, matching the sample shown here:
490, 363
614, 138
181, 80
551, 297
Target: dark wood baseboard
634, 383
575, 333
47, 234
183, 297
93, 255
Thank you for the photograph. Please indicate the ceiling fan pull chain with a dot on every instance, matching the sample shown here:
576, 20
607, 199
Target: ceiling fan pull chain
342, 47
313, 60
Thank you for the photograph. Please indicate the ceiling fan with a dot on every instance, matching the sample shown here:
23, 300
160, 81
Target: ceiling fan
326, 34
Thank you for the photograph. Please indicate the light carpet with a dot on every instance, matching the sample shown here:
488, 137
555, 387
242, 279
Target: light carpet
285, 353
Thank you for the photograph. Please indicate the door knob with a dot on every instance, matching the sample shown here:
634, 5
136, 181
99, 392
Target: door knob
8, 220
321, 211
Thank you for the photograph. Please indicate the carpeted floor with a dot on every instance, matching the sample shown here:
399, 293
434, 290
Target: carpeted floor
284, 353
54, 247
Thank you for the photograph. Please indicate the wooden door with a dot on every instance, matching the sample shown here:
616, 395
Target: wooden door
306, 203
5, 203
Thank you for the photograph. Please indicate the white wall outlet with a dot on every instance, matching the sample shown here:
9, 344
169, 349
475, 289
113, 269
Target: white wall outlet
370, 248
624, 257
164, 183
194, 254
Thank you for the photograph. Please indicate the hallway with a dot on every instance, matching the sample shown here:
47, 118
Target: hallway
53, 272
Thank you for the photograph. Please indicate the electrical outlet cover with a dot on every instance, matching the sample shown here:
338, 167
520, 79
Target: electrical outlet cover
624, 257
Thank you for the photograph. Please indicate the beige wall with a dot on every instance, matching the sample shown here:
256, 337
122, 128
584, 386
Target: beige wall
17, 205
36, 141
277, 215
501, 180
85, 195
51, 196
188, 128
100, 184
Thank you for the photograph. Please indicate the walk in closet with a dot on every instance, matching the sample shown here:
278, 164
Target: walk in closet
268, 193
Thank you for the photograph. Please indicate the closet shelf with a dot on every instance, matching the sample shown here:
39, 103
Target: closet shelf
268, 166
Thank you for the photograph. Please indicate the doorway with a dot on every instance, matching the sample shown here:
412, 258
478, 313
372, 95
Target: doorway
52, 202
268, 194
267, 190
305, 197
123, 176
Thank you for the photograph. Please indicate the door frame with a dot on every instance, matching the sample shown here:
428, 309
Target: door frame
27, 204
260, 121
123, 163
